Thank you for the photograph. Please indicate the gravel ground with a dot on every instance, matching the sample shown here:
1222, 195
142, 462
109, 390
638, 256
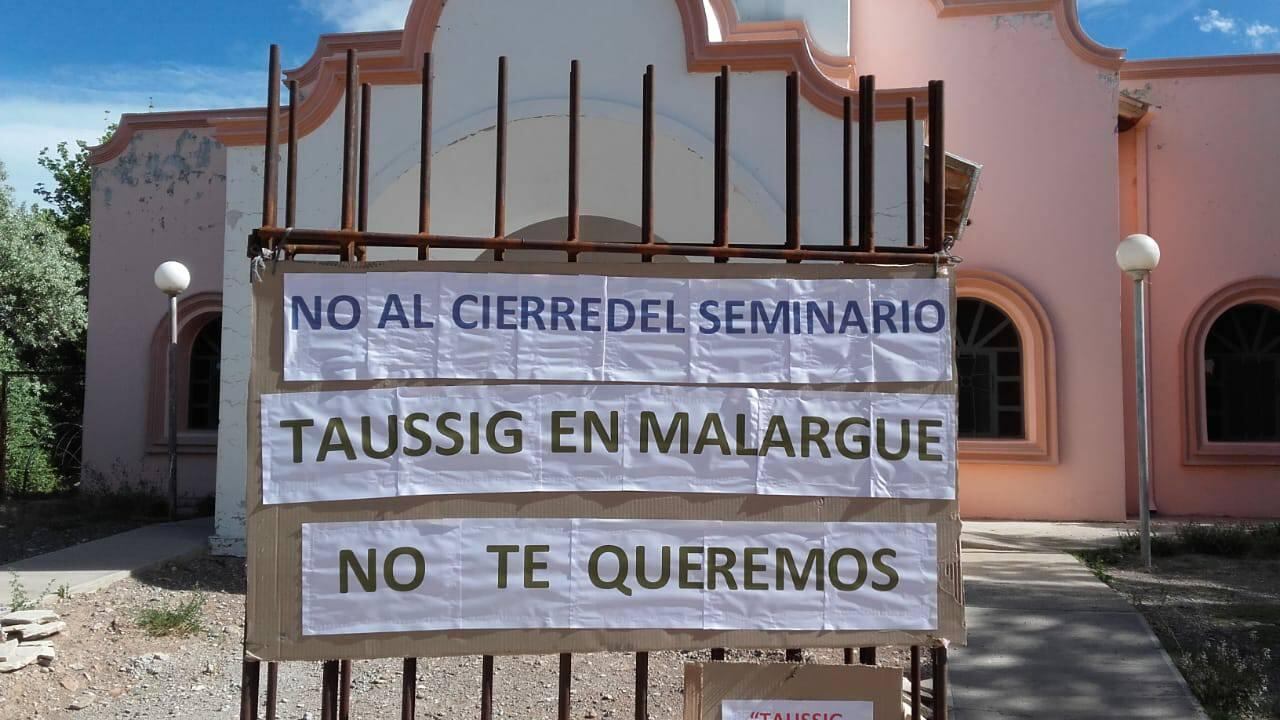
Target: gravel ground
109, 664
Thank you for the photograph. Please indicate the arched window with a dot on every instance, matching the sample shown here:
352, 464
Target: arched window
1006, 372
1231, 367
203, 378
989, 364
1242, 375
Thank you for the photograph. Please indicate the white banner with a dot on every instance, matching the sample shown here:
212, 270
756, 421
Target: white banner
797, 710
400, 442
384, 325
490, 574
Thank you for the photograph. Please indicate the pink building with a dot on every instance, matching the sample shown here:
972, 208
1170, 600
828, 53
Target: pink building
1078, 148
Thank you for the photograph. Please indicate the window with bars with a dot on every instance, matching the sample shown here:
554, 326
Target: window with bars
204, 378
989, 363
1242, 375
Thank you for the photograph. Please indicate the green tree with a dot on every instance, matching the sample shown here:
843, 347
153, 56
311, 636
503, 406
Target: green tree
70, 194
42, 313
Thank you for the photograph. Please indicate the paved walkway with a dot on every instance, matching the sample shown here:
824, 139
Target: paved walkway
89, 566
1049, 640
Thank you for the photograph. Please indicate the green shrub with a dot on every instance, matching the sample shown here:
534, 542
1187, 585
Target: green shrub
1230, 683
181, 619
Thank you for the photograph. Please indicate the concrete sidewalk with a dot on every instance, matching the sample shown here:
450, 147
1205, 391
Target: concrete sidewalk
1047, 639
89, 566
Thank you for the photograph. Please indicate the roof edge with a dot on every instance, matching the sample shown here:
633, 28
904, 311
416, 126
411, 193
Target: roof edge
1065, 12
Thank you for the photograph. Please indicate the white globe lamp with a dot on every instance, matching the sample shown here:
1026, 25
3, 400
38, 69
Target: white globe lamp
172, 278
1138, 254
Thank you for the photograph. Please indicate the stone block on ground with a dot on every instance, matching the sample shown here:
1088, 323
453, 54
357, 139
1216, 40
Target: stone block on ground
28, 617
34, 631
7, 649
21, 658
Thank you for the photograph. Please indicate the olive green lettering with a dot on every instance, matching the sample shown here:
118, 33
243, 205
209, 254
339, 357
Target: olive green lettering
296, 426
891, 575
367, 576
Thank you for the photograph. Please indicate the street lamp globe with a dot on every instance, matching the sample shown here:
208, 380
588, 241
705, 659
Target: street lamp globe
172, 278
1138, 254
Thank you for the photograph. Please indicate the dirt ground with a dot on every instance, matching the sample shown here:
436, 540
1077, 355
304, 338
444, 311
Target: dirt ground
106, 658
1192, 599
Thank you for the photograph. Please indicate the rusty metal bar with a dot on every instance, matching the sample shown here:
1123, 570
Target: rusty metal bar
273, 686
366, 130
566, 684
500, 167
249, 676
271, 165
847, 175
424, 158
642, 686
329, 690
344, 691
486, 687
915, 682
936, 199
717, 654
349, 154
940, 683
408, 689
913, 233
646, 166
291, 167
793, 163
575, 106
722, 161
867, 656
314, 241
848, 656
795, 655
867, 163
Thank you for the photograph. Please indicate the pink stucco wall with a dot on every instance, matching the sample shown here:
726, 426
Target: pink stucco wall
1041, 120
162, 199
1212, 167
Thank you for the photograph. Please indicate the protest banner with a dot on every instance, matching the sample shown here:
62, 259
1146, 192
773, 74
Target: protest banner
429, 499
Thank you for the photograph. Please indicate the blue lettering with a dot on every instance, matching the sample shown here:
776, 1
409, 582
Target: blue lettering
561, 311
312, 316
939, 316
760, 317
333, 312
882, 313
618, 304
505, 310
733, 311
590, 315
531, 308
826, 321
649, 311
419, 321
706, 310
457, 312
393, 310
852, 318
671, 319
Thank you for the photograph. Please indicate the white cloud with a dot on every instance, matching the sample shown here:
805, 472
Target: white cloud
1214, 21
360, 15
77, 103
1261, 36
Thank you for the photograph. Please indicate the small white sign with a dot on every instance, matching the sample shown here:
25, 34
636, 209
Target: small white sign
797, 710
392, 325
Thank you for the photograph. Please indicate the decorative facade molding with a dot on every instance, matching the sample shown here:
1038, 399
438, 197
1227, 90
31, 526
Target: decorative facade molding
1223, 66
194, 313
1198, 449
395, 58
1039, 372
1065, 14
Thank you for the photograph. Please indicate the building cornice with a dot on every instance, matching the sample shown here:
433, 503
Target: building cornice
1224, 65
1064, 12
395, 58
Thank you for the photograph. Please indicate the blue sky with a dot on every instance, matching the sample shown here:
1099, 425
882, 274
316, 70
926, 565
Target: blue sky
66, 66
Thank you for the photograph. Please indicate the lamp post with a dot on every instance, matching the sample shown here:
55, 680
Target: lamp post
1138, 255
172, 278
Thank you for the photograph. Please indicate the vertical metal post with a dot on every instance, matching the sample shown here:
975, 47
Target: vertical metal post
722, 161
409, 689
349, 155
1142, 409
366, 112
574, 110
344, 690
329, 690
717, 654
271, 162
646, 166
173, 407
566, 683
940, 683
795, 655
912, 232
847, 174
793, 162
867, 163
249, 677
915, 682
848, 656
273, 680
486, 688
642, 686
500, 161
424, 159
867, 656
291, 166
936, 201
